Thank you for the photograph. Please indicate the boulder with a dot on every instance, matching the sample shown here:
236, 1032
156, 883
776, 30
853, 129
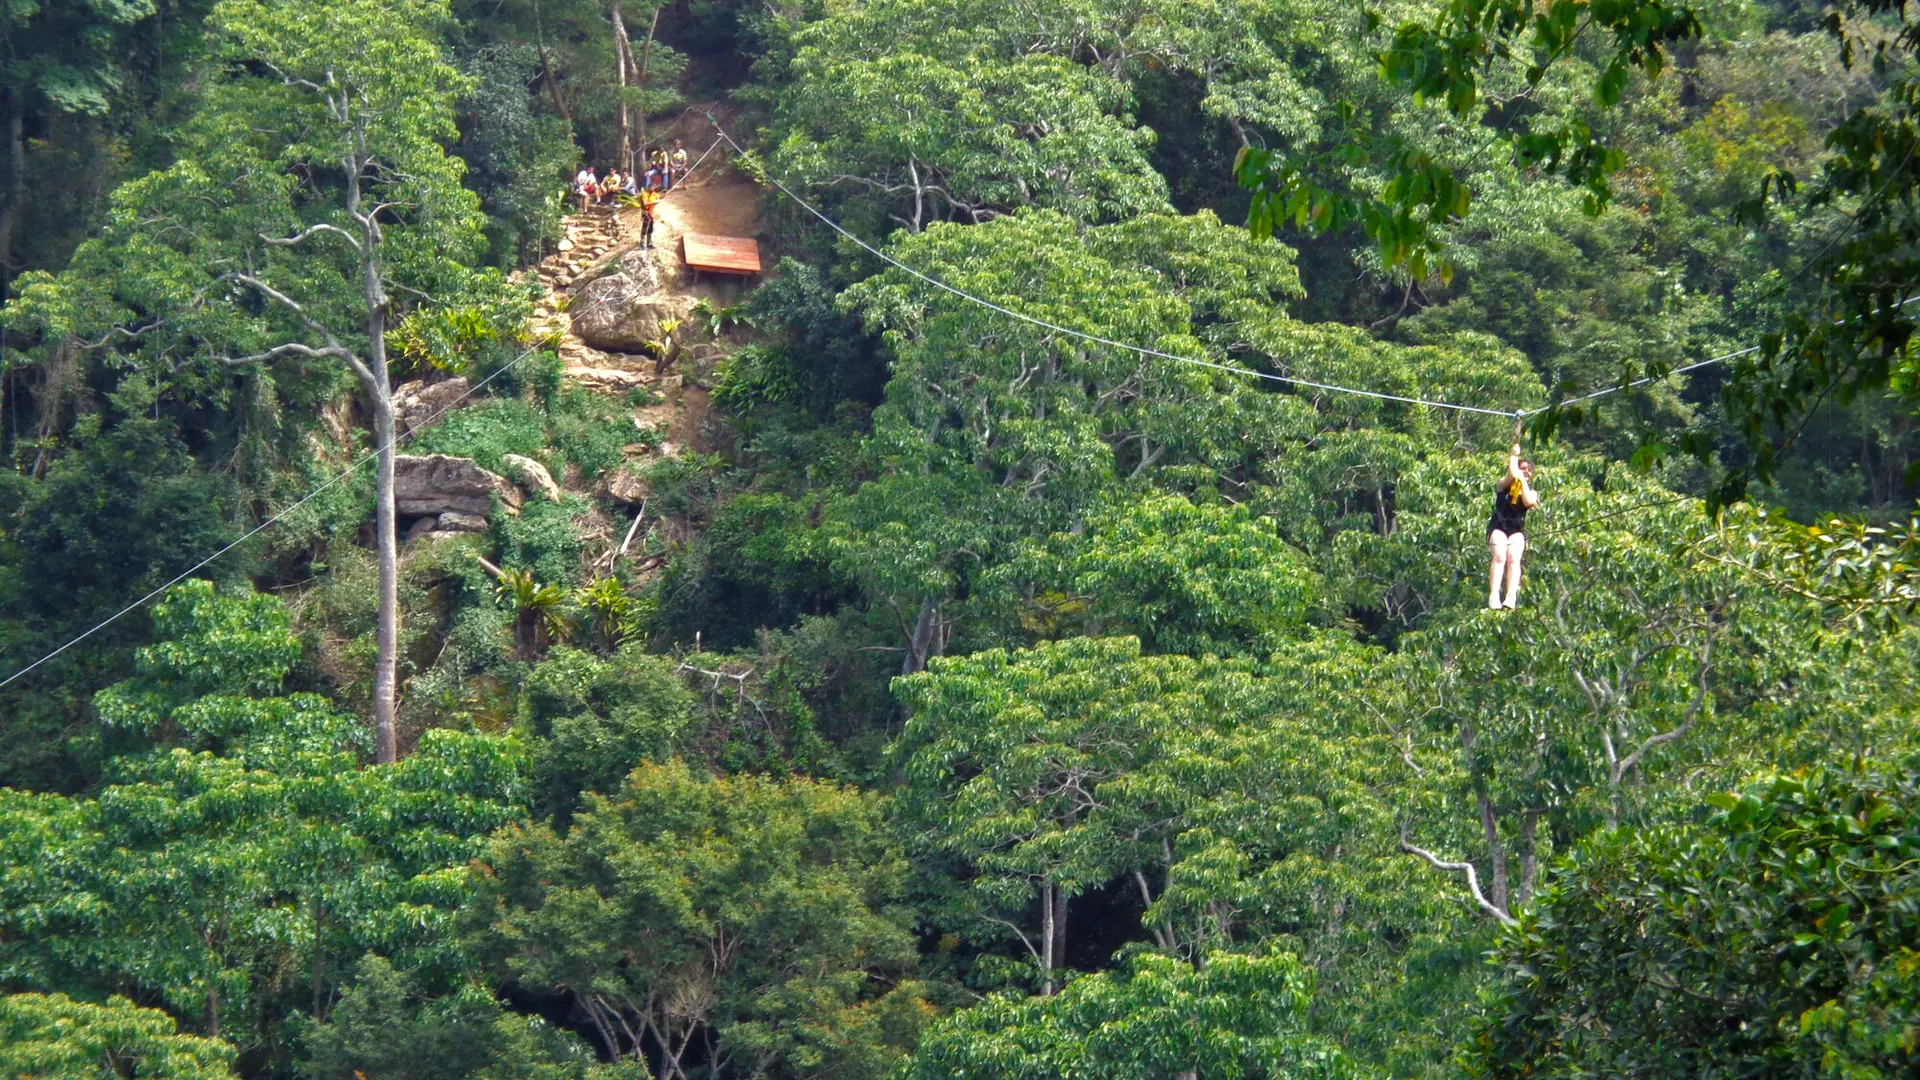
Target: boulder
438, 485
453, 522
532, 475
625, 487
616, 313
416, 404
642, 267
420, 528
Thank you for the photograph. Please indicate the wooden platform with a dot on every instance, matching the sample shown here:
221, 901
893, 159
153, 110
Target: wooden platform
720, 254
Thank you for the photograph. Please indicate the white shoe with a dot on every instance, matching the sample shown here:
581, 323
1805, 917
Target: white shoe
1493, 603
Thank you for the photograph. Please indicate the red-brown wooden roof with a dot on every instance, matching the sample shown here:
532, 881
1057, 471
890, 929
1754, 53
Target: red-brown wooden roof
722, 254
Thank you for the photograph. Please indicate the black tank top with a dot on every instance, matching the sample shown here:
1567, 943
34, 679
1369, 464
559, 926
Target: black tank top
1509, 513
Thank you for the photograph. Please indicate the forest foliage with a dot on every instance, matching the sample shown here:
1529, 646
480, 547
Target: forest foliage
1021, 690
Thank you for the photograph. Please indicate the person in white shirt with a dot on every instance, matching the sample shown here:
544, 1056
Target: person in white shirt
586, 185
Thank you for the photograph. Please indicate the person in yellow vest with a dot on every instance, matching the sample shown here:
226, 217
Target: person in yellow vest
677, 162
649, 198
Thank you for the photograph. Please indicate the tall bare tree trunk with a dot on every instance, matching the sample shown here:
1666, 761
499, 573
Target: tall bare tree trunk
379, 384
920, 638
16, 185
1529, 857
1489, 821
621, 50
546, 68
387, 551
1046, 938
386, 538
640, 73
1059, 946
1496, 851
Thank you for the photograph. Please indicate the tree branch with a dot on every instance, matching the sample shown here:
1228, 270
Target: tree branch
294, 80
334, 348
1693, 713
121, 331
1466, 868
1021, 934
291, 348
309, 232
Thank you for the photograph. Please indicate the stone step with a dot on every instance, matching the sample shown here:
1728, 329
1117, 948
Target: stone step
611, 380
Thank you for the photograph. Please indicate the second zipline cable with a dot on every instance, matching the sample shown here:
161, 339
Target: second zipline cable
1145, 351
258, 529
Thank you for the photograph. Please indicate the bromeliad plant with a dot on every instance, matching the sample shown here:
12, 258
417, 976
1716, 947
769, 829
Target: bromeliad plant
719, 319
611, 618
539, 615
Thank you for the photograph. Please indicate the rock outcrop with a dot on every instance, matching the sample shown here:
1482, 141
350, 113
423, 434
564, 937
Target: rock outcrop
619, 313
416, 404
457, 522
623, 486
643, 267
438, 485
532, 476
608, 380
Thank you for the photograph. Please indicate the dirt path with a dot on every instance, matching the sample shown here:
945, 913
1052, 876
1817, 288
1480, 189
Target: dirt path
725, 203
715, 199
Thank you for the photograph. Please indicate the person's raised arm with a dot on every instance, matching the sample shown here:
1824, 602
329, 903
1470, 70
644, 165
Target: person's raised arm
1528, 497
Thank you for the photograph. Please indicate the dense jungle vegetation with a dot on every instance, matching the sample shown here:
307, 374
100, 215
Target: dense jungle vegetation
969, 700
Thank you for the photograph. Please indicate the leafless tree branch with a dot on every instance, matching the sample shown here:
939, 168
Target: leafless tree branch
308, 233
121, 331
291, 348
1679, 731
1465, 868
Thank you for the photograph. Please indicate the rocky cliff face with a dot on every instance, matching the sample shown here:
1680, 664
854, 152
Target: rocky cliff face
454, 493
417, 404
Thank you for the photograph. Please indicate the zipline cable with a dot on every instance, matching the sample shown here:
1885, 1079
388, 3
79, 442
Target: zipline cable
316, 492
695, 167
1676, 371
1081, 334
257, 529
1518, 414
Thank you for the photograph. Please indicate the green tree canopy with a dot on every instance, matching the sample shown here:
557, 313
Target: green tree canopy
754, 913
53, 1037
1240, 1015
1776, 937
966, 140
203, 875
1181, 577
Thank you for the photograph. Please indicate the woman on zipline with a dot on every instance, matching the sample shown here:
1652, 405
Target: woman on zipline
1513, 496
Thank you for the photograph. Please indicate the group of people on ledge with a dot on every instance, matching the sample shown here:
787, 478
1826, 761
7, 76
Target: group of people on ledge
665, 168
